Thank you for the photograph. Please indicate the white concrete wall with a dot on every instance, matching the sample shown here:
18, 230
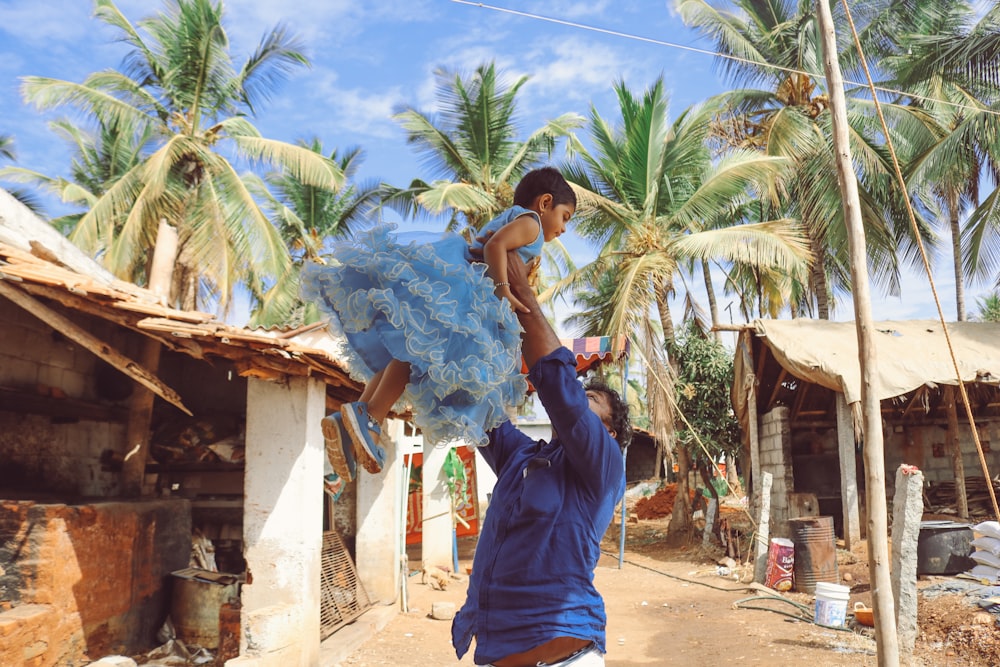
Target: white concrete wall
282, 523
437, 527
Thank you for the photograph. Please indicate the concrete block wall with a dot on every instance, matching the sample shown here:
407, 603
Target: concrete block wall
925, 447
776, 458
46, 454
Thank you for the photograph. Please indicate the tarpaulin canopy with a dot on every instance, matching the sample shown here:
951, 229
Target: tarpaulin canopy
909, 354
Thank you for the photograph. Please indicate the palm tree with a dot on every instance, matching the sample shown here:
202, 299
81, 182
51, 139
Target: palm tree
778, 46
7, 152
99, 159
180, 85
7, 147
650, 194
940, 55
307, 217
472, 149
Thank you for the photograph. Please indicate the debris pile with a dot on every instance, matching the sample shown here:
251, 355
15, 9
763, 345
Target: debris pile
660, 504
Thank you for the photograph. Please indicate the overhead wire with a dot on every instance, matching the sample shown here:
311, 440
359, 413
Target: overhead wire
719, 54
874, 89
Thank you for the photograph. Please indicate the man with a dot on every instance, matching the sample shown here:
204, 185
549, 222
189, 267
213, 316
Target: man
531, 596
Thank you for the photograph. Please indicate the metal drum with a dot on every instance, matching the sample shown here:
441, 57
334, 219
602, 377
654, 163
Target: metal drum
943, 547
815, 552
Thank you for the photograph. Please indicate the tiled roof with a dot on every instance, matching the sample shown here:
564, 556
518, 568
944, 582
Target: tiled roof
256, 353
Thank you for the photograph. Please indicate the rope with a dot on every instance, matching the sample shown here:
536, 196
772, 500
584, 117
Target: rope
923, 257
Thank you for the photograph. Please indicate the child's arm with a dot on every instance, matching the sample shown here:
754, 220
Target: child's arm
519, 232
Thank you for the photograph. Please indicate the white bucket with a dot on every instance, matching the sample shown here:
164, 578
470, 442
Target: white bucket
831, 604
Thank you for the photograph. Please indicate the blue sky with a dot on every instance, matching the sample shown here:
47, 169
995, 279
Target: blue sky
371, 58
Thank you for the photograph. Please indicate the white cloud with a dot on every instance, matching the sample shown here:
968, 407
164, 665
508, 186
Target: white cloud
38, 23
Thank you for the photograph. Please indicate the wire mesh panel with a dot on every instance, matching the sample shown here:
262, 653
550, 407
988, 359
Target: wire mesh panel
342, 597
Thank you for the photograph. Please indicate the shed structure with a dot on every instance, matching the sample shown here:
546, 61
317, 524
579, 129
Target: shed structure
797, 392
84, 570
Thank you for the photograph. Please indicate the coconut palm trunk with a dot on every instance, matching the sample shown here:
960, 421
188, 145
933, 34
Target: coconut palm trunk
955, 226
713, 305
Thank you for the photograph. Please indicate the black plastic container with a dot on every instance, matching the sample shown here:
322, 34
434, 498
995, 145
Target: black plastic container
943, 547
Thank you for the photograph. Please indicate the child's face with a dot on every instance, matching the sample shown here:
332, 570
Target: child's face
554, 219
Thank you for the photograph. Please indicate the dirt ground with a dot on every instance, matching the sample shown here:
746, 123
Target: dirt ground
670, 606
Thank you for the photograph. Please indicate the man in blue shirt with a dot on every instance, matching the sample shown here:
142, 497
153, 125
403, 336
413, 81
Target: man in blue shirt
531, 597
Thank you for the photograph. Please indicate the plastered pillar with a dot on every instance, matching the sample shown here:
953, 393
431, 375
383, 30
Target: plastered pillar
282, 523
379, 541
438, 526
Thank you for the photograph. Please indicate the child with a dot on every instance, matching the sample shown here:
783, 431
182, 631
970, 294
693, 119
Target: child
424, 316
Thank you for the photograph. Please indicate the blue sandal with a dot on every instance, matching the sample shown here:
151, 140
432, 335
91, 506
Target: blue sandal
360, 427
339, 447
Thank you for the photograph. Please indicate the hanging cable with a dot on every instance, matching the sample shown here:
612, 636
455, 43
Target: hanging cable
718, 54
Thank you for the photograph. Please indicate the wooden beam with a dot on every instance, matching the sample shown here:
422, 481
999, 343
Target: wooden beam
74, 332
958, 466
800, 398
917, 395
100, 310
23, 402
774, 392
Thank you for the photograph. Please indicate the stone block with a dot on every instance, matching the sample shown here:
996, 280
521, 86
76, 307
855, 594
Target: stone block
443, 611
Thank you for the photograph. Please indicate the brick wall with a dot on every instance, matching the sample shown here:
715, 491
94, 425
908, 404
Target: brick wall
81, 582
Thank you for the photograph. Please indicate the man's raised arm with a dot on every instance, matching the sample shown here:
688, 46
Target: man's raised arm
538, 338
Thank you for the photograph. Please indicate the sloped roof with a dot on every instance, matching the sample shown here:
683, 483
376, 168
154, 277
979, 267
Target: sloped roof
22, 229
48, 267
909, 354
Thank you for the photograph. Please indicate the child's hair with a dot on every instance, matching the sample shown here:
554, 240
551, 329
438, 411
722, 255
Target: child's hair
546, 180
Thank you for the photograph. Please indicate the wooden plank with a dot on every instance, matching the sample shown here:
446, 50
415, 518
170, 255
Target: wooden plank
74, 332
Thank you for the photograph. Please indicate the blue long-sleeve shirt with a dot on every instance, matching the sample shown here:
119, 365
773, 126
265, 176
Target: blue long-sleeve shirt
533, 573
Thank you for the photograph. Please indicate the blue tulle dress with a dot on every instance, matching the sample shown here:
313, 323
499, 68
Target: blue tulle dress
418, 298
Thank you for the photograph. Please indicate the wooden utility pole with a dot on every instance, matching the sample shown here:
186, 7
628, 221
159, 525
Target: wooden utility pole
140, 407
957, 465
878, 524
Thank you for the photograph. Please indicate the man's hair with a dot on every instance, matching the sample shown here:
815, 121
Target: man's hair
620, 422
546, 180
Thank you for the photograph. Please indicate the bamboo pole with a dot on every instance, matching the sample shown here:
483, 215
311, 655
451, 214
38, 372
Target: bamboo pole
878, 533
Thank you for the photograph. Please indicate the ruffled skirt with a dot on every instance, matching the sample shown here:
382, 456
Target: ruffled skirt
417, 298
